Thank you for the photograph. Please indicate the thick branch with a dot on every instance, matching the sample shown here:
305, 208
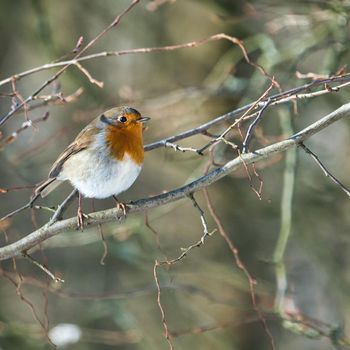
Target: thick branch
110, 215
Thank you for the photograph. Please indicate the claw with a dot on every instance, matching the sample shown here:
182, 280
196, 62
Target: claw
120, 206
80, 219
80, 215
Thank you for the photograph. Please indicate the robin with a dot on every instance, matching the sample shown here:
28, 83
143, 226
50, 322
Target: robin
104, 159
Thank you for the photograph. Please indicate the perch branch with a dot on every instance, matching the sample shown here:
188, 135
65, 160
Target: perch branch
47, 231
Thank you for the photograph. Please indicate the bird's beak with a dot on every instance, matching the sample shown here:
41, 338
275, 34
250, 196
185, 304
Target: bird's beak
143, 119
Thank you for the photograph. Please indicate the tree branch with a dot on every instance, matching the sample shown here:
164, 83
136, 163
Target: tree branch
280, 98
30, 98
47, 231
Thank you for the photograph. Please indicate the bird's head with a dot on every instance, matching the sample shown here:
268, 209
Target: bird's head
123, 132
123, 118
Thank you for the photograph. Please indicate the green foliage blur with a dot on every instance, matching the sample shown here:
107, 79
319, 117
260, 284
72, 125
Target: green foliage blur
206, 297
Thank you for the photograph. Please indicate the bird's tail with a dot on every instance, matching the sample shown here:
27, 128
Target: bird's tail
46, 187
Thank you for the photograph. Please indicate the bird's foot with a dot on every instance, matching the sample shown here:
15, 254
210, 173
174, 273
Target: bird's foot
121, 207
80, 219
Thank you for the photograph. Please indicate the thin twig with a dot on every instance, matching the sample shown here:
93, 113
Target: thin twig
280, 98
211, 327
79, 58
24, 207
181, 149
324, 169
25, 125
114, 294
41, 207
165, 325
258, 117
55, 99
17, 95
247, 171
156, 234
103, 239
237, 121
62, 208
16, 188
42, 267
252, 126
114, 24
197, 244
240, 265
88, 75
203, 220
24, 299
184, 253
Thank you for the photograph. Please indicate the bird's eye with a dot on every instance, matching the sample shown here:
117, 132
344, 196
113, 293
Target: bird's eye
123, 119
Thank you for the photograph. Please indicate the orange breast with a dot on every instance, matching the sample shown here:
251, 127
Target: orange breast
127, 140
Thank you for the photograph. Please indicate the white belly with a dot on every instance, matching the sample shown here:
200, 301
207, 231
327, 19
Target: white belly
98, 176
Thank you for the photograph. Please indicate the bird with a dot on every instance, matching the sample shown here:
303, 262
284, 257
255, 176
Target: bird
104, 160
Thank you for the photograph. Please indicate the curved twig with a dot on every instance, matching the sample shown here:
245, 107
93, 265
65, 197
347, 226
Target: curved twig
280, 98
30, 98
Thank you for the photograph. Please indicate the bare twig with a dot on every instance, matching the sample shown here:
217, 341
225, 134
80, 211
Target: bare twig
211, 327
55, 99
156, 234
324, 169
42, 207
181, 149
62, 208
19, 210
16, 188
251, 185
109, 215
17, 284
43, 268
78, 45
18, 96
251, 127
114, 24
237, 121
88, 75
280, 98
103, 239
25, 125
165, 325
184, 253
203, 220
79, 58
197, 244
240, 265
112, 294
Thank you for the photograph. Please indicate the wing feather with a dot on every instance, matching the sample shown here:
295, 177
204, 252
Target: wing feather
81, 142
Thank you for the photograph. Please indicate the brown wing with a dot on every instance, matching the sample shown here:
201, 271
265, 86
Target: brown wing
81, 142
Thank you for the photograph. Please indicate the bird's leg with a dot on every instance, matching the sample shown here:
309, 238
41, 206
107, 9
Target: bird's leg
80, 215
120, 205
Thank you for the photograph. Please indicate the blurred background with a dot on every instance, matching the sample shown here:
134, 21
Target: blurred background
206, 297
